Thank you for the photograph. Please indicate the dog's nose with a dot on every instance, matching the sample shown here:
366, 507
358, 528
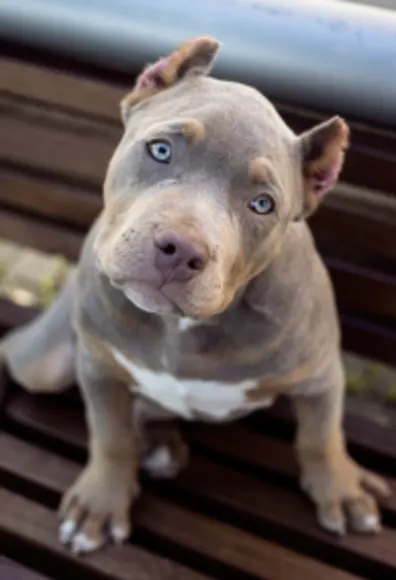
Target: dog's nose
178, 257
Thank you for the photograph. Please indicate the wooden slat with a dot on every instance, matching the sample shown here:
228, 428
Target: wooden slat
363, 290
58, 89
355, 226
259, 504
246, 448
220, 542
372, 339
43, 415
358, 225
37, 526
10, 570
49, 199
68, 149
255, 450
12, 315
369, 339
370, 162
355, 286
65, 144
364, 134
41, 235
364, 435
371, 158
46, 415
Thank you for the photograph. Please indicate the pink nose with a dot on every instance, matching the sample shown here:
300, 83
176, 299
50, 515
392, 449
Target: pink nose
179, 258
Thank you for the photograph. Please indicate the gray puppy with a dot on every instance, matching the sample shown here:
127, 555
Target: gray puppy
199, 291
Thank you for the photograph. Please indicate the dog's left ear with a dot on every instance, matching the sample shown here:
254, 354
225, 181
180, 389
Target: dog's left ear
322, 152
194, 57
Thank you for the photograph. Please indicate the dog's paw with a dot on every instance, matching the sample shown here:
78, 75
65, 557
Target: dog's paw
96, 509
163, 463
163, 452
344, 495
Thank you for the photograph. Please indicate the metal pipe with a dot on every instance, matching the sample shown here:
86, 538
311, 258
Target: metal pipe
326, 54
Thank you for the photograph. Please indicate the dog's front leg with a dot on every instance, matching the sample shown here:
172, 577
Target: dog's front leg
338, 486
98, 504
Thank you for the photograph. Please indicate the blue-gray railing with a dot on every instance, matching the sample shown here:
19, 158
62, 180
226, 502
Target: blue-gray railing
327, 54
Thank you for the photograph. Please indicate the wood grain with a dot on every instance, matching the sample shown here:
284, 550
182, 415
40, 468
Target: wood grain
219, 541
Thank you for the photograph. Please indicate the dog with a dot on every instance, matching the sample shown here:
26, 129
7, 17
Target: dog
199, 294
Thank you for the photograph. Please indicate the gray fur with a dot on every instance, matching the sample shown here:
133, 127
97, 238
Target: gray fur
263, 304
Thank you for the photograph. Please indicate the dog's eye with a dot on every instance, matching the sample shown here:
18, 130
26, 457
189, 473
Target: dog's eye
161, 151
263, 204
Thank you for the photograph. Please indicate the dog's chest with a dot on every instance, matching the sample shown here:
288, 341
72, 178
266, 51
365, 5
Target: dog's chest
192, 398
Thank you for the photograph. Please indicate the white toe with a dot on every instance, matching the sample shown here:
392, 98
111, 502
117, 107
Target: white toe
371, 523
66, 531
160, 463
119, 534
159, 459
82, 545
334, 526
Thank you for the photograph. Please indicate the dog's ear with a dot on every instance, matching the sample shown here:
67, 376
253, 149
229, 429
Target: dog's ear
194, 57
322, 151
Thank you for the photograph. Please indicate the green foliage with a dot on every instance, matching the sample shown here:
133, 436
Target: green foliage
3, 271
390, 396
359, 383
50, 286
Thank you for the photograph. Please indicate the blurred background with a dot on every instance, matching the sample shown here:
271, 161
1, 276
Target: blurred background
65, 65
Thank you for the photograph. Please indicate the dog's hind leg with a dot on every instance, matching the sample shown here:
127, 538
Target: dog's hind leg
41, 355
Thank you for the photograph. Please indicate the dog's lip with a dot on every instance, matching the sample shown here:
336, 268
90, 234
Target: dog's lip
123, 283
124, 286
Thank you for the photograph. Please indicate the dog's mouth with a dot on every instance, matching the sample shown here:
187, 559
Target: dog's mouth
156, 294
149, 297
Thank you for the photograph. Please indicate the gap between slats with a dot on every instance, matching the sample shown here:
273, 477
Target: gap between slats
278, 513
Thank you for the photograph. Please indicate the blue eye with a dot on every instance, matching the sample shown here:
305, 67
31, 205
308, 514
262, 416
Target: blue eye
263, 204
161, 151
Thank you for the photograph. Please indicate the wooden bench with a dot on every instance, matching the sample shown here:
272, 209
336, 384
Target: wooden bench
236, 512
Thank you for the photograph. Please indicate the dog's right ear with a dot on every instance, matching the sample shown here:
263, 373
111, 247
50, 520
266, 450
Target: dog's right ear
194, 57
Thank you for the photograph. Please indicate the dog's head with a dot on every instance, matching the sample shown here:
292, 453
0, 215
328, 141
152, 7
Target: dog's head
203, 185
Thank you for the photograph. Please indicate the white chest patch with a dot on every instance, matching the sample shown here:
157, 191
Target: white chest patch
192, 399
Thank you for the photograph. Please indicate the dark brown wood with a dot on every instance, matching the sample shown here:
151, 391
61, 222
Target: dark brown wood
361, 289
36, 526
44, 236
57, 89
357, 288
256, 502
43, 415
372, 156
366, 230
71, 147
237, 443
364, 435
357, 227
48, 199
370, 162
236, 513
12, 315
221, 542
374, 340
12, 571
